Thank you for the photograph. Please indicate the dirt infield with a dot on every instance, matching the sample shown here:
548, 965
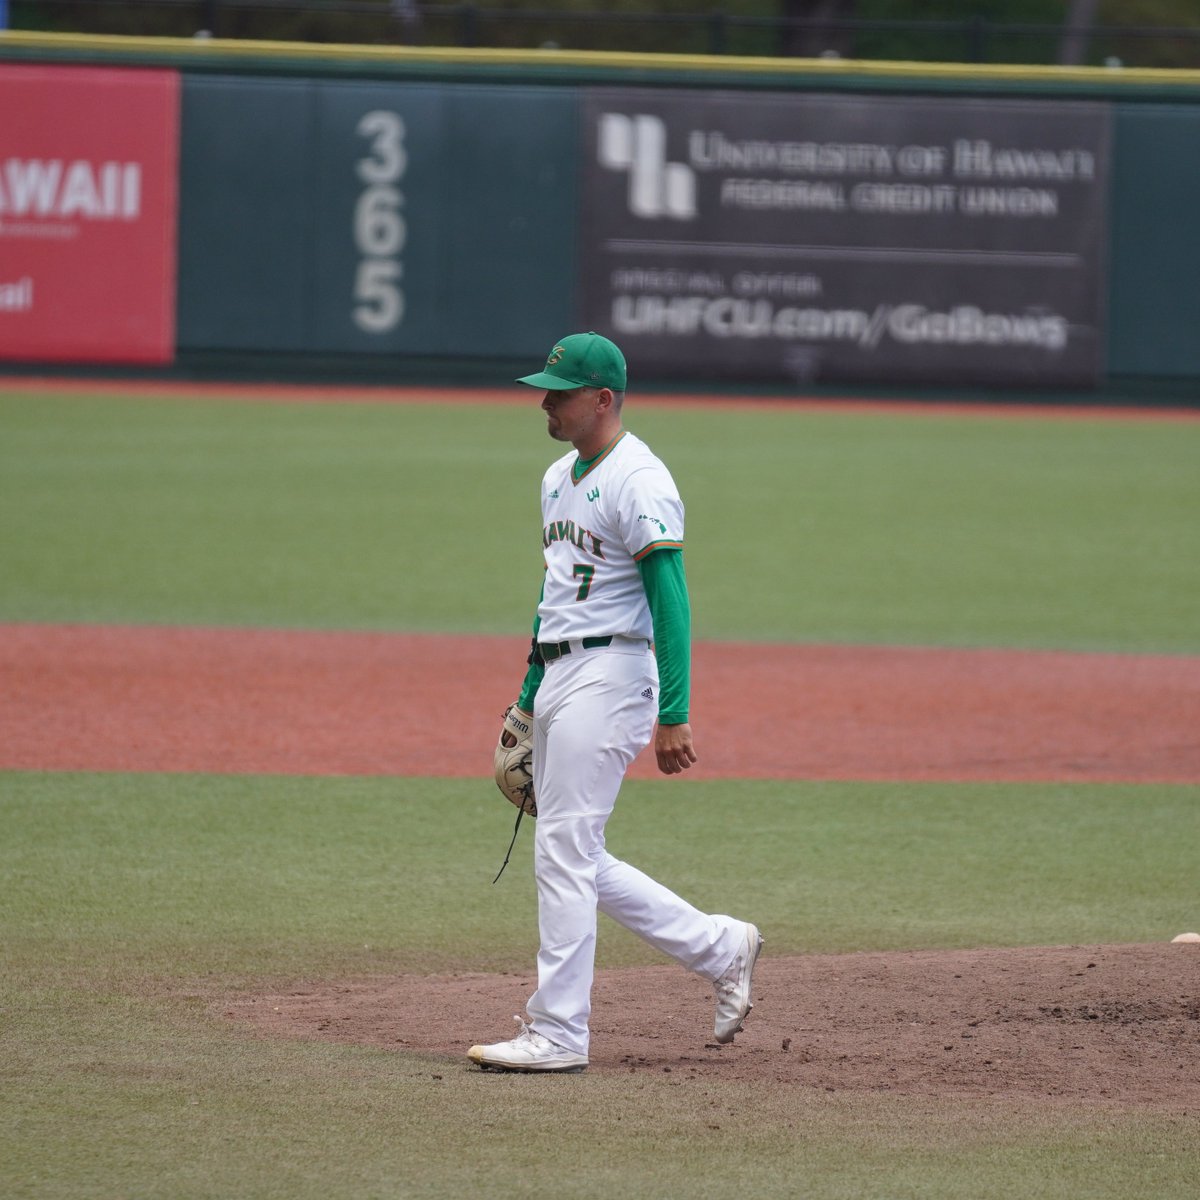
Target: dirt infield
1105, 1024
1118, 1024
113, 698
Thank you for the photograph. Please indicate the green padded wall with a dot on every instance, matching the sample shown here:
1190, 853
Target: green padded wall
1154, 273
376, 218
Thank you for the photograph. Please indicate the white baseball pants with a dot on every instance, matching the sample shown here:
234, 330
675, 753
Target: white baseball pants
590, 720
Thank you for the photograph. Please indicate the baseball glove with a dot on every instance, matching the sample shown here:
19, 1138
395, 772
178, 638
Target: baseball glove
513, 760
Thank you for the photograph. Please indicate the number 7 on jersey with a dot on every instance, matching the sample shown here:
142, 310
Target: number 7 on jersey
583, 572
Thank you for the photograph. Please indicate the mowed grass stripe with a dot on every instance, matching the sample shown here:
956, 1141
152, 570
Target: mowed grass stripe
802, 525
128, 877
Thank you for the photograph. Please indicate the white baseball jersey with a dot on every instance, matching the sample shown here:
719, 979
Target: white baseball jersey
595, 530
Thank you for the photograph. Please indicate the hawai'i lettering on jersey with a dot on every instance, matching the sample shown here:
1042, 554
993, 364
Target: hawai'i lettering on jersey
568, 531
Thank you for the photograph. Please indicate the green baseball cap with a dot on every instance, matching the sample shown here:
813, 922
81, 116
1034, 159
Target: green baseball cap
581, 360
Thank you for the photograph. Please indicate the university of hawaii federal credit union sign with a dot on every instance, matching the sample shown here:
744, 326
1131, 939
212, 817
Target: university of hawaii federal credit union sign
88, 199
816, 237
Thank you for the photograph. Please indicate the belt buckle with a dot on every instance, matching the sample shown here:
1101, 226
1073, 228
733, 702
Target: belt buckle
552, 651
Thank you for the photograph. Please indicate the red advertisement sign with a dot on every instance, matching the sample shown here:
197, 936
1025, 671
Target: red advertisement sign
88, 200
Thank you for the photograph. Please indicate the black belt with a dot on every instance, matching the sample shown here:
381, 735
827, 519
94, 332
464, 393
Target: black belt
552, 650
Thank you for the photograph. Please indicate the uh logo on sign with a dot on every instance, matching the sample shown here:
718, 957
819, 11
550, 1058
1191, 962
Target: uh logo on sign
638, 146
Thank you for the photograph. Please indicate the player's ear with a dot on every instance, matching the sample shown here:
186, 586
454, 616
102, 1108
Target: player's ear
604, 399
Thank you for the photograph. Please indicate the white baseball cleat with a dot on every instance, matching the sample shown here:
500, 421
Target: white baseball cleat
733, 988
528, 1051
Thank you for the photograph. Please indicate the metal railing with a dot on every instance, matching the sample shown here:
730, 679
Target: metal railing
405, 22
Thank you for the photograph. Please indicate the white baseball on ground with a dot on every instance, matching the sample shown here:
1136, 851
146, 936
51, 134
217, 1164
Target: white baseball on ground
1186, 937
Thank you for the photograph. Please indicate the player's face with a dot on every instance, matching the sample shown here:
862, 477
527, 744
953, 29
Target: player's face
570, 416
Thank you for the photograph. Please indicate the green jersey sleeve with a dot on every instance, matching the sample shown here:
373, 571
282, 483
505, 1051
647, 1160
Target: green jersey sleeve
666, 592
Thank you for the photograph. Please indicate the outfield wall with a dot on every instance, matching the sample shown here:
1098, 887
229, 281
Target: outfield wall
378, 210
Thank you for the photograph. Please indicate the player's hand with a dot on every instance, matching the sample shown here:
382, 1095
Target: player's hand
673, 748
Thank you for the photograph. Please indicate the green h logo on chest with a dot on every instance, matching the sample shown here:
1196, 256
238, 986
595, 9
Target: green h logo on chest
593, 495
568, 531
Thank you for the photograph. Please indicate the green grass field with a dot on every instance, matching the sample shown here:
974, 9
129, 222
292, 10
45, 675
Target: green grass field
129, 904
802, 526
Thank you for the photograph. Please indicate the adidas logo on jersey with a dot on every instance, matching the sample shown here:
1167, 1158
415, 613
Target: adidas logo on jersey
648, 694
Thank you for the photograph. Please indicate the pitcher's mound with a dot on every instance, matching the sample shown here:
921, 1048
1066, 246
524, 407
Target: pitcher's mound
1096, 1023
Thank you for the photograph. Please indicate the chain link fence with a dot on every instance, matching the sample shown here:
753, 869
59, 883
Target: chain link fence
405, 22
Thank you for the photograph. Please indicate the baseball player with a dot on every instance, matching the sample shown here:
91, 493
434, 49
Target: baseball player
611, 658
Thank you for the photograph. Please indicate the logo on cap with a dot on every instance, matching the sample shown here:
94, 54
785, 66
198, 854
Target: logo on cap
581, 360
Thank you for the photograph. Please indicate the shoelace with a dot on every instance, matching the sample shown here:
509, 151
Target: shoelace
729, 981
732, 971
535, 1039
526, 1033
